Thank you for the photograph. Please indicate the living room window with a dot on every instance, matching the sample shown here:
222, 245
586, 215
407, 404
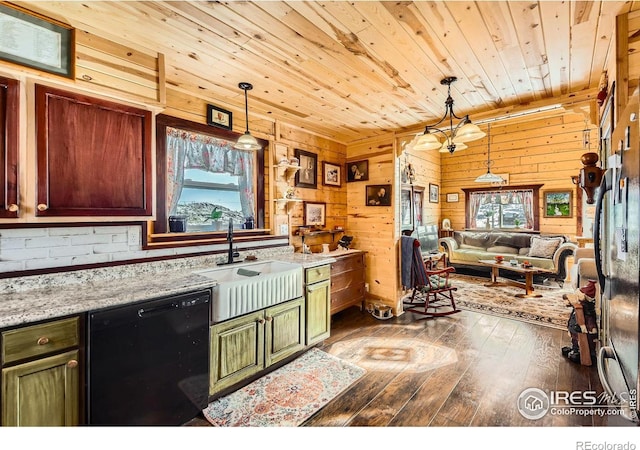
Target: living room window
513, 209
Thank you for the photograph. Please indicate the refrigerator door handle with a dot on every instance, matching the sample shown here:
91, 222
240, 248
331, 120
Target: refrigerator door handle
605, 352
619, 400
605, 185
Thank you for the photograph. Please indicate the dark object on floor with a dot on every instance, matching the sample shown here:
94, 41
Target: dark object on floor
432, 290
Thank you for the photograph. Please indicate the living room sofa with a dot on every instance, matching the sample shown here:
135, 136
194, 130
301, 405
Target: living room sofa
549, 252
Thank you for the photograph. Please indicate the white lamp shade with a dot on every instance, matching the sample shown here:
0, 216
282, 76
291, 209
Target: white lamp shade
247, 142
427, 142
489, 178
468, 132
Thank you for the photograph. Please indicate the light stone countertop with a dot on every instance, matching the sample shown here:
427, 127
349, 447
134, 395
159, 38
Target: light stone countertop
59, 301
40, 297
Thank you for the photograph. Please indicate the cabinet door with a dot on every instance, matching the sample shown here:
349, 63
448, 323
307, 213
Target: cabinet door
285, 331
318, 312
45, 392
93, 156
237, 350
9, 113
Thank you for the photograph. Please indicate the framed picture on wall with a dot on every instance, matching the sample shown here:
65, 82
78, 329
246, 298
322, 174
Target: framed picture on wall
358, 171
452, 197
219, 117
558, 203
378, 195
34, 41
315, 214
331, 174
434, 193
306, 177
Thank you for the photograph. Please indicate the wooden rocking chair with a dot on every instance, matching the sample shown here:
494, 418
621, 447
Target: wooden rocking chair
432, 293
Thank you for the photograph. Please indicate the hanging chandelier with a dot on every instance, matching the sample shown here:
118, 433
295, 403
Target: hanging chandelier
246, 141
455, 135
489, 177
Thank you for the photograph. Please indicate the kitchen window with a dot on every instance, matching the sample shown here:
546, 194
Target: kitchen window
197, 170
511, 209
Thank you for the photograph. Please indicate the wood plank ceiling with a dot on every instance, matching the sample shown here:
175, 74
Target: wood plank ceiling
355, 69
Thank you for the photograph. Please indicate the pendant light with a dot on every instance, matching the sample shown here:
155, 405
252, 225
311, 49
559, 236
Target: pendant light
454, 135
246, 141
489, 177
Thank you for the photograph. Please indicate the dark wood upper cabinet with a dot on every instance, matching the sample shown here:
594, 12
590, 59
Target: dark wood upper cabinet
93, 156
9, 127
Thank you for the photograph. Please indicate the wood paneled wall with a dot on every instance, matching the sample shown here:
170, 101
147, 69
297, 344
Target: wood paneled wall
530, 150
334, 197
374, 227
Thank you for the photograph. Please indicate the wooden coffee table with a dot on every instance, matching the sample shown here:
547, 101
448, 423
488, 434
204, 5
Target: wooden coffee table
528, 272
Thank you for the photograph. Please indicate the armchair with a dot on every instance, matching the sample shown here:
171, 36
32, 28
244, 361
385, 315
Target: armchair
584, 267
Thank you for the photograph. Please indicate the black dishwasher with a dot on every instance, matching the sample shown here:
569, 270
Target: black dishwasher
149, 361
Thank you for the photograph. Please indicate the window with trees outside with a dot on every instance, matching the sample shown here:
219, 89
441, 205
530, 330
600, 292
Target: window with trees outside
511, 209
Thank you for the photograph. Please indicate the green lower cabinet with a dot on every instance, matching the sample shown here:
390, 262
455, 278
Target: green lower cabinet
244, 346
285, 331
318, 312
44, 392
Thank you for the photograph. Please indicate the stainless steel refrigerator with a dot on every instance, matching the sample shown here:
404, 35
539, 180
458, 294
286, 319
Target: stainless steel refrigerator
617, 243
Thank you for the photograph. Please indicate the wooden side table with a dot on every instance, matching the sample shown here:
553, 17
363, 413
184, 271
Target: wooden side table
583, 241
445, 233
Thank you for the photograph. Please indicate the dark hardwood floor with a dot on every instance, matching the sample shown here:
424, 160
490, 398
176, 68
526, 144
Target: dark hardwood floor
495, 359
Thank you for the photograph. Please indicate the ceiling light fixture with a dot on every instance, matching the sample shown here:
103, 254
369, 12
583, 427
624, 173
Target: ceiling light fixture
463, 132
246, 141
489, 177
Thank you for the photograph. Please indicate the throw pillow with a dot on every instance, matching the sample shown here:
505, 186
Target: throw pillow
544, 248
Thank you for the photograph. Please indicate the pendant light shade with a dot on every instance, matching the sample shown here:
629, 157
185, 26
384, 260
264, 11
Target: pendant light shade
467, 133
246, 141
489, 177
427, 141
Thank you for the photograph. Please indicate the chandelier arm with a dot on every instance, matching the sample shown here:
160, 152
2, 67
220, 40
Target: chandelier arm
444, 117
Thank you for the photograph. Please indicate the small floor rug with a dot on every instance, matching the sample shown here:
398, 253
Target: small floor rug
548, 310
287, 396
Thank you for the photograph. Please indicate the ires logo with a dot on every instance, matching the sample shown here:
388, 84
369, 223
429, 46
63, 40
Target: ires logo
534, 403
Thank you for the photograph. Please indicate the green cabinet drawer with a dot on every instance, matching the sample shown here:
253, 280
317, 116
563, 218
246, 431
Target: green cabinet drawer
41, 339
315, 274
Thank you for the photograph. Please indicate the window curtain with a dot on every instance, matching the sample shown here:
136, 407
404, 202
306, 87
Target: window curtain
527, 204
475, 200
198, 151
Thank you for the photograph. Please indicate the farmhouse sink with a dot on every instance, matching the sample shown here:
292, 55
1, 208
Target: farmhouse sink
249, 287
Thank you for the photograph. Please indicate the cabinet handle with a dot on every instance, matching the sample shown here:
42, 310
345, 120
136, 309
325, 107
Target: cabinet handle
72, 364
269, 318
42, 207
43, 340
13, 207
261, 321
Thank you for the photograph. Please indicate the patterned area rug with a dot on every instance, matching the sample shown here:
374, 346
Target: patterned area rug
548, 310
287, 396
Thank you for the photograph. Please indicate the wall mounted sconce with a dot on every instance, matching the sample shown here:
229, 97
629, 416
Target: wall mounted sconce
590, 175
